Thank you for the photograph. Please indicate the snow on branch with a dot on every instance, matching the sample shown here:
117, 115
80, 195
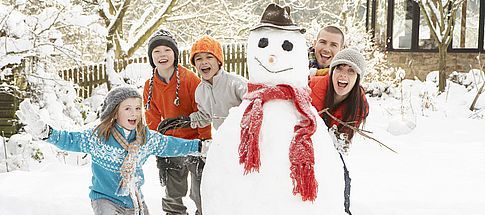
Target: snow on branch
149, 28
116, 20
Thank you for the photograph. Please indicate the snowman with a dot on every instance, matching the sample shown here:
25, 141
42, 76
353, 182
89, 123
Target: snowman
272, 154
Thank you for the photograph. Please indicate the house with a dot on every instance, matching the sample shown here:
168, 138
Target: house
400, 29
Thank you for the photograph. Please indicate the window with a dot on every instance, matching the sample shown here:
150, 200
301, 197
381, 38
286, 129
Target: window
381, 22
465, 34
426, 40
406, 28
402, 24
370, 13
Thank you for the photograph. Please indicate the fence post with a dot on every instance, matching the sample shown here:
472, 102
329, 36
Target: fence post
74, 78
226, 58
85, 81
233, 57
244, 62
90, 87
5, 149
103, 72
238, 59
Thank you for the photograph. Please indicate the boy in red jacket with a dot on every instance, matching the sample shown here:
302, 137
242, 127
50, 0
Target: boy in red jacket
170, 94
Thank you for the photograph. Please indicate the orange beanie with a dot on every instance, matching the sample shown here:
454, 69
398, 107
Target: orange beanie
209, 45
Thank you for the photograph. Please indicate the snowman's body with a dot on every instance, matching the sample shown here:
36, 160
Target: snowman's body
225, 187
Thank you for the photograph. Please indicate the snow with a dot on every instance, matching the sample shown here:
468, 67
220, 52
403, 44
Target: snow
439, 169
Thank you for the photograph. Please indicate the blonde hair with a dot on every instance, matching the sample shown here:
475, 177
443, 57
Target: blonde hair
105, 126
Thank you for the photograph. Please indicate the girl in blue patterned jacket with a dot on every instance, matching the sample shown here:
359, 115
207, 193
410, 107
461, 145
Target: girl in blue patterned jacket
119, 146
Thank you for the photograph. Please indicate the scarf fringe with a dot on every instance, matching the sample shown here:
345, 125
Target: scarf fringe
250, 126
302, 169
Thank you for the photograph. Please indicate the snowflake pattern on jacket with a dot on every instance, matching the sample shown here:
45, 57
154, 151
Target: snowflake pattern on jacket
107, 157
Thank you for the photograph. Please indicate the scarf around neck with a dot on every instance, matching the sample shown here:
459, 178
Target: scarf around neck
301, 148
128, 183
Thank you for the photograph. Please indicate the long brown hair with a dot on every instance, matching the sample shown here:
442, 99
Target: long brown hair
105, 126
355, 107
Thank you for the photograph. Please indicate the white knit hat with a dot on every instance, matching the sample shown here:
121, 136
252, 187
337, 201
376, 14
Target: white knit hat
352, 57
116, 96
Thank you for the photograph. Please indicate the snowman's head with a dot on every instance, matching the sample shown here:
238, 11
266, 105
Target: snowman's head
277, 56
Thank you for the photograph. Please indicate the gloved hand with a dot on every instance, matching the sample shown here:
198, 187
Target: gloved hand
30, 117
204, 147
173, 123
313, 71
340, 140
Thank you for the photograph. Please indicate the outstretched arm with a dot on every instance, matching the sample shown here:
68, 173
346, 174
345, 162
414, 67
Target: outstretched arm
34, 125
71, 141
168, 146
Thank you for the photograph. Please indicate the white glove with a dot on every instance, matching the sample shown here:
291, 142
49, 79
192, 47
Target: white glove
205, 147
313, 72
30, 117
339, 140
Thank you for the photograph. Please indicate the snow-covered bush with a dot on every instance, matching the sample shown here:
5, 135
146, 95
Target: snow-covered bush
471, 80
18, 152
58, 105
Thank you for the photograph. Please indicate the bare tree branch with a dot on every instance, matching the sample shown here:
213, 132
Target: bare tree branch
118, 18
355, 129
154, 25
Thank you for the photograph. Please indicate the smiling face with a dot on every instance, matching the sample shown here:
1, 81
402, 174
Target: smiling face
343, 79
129, 113
163, 58
207, 65
277, 57
327, 45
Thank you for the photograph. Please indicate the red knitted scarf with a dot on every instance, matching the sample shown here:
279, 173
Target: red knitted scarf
301, 148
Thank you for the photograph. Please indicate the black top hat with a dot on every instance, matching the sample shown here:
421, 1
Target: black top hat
275, 16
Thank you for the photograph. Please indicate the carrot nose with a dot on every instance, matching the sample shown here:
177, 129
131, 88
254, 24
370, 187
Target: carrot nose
272, 59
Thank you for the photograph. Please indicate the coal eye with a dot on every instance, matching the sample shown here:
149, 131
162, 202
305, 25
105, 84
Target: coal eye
263, 42
287, 45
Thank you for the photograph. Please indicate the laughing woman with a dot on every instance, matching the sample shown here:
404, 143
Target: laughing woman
342, 94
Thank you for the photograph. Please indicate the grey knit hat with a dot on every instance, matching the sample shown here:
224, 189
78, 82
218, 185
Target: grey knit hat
116, 96
162, 38
352, 57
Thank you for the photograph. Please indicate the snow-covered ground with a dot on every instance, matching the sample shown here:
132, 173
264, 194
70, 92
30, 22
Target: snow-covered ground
439, 167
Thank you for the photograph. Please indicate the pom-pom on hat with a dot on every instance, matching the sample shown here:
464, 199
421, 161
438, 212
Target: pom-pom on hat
352, 57
209, 45
162, 38
115, 97
275, 16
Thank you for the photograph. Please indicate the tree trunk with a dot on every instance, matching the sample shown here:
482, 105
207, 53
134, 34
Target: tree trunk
109, 62
463, 24
113, 78
442, 68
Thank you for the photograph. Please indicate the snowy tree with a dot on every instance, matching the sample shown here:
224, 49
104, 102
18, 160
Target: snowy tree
32, 35
31, 42
379, 76
440, 16
129, 24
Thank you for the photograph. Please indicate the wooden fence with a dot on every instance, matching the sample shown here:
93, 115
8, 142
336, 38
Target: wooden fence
8, 122
90, 77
